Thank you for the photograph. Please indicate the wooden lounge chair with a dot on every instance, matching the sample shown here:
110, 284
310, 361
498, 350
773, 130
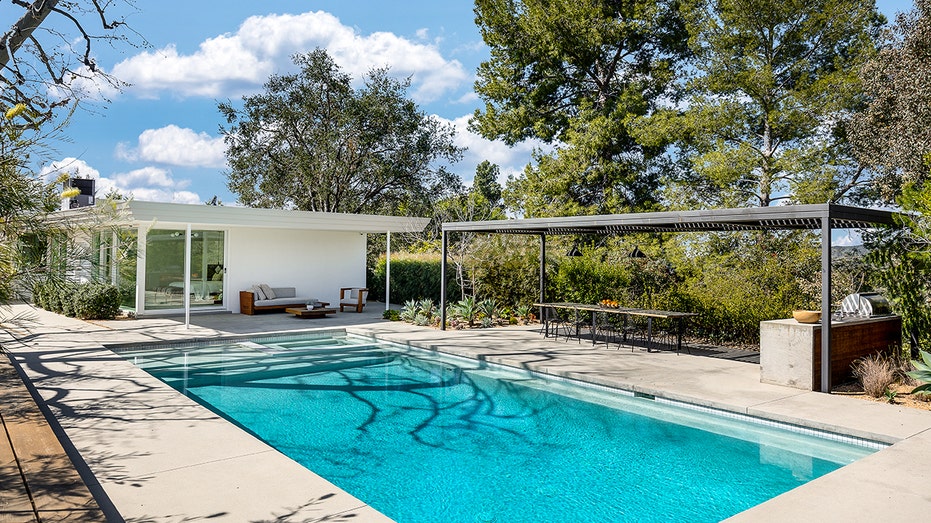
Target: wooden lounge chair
352, 297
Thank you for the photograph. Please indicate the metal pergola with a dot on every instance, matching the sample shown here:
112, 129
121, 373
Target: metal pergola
825, 217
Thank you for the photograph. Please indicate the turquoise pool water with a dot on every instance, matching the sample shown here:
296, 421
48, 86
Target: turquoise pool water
424, 438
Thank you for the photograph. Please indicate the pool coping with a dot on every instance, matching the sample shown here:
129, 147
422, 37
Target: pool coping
78, 377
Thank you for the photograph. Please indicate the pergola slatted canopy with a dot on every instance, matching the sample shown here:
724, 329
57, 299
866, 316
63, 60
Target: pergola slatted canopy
761, 218
823, 217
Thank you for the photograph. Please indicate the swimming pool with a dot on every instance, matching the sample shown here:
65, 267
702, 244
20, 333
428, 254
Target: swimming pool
423, 437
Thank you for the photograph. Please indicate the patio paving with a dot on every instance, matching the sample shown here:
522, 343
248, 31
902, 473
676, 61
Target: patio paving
148, 453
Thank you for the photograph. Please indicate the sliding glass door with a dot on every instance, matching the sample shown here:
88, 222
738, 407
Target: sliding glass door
165, 271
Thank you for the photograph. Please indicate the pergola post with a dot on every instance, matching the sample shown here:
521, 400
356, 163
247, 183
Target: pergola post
187, 277
542, 273
388, 271
826, 303
443, 284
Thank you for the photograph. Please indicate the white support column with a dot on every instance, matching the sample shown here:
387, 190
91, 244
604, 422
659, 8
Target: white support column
187, 277
114, 251
141, 239
445, 247
388, 273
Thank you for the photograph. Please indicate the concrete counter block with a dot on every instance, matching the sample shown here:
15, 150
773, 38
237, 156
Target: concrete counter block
790, 352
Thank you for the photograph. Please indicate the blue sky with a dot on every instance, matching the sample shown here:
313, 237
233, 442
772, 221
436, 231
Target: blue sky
158, 138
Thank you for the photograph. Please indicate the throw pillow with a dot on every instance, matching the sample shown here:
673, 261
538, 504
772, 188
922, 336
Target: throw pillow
269, 293
259, 293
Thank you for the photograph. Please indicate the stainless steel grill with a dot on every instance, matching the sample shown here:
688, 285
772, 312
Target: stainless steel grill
865, 304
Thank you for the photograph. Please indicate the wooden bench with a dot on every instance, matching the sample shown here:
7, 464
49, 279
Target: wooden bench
247, 304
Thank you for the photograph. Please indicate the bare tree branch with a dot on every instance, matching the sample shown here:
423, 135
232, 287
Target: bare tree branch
35, 14
40, 69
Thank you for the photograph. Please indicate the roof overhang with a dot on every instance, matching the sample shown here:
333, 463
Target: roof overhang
756, 218
170, 215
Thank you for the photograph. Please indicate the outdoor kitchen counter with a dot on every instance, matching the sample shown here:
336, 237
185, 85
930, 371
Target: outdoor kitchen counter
790, 352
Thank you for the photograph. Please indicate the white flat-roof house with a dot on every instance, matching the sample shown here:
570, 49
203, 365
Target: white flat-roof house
154, 251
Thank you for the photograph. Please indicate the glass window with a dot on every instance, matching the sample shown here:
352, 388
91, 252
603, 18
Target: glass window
126, 267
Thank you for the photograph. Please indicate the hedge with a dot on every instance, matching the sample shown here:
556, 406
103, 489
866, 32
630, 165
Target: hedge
414, 276
87, 301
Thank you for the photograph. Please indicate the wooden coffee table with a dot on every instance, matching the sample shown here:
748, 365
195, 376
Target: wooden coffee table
304, 312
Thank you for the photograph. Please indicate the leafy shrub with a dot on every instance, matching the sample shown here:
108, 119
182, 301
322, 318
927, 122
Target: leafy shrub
749, 279
66, 298
41, 295
88, 301
900, 259
96, 301
414, 276
876, 373
505, 269
586, 279
391, 315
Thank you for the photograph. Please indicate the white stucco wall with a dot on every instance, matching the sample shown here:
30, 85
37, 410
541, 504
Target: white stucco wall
316, 263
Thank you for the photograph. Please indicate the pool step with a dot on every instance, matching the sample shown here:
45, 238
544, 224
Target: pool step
226, 378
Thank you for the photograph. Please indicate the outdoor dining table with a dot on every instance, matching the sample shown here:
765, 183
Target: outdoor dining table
649, 314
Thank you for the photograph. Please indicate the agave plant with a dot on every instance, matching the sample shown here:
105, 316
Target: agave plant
427, 307
922, 373
467, 309
523, 311
409, 311
488, 308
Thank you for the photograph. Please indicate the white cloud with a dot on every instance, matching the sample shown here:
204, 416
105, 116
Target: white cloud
158, 195
847, 238
150, 184
144, 177
510, 160
233, 64
173, 145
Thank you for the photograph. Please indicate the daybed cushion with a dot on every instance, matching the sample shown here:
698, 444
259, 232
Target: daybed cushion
270, 293
283, 296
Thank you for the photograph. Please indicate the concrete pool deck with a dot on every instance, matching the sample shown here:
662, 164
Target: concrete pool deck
147, 453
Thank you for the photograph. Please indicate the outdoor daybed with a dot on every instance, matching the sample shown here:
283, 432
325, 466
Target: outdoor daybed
284, 297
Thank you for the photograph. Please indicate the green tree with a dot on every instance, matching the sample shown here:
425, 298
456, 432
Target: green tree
893, 133
773, 82
486, 182
574, 73
25, 201
901, 261
312, 142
